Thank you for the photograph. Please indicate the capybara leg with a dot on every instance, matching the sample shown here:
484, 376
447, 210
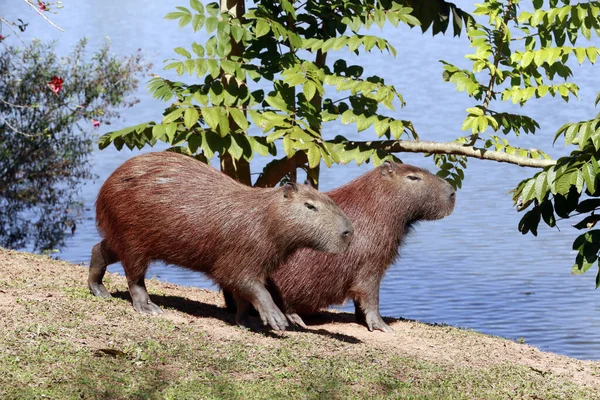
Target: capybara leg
141, 299
256, 293
296, 320
230, 302
102, 256
366, 306
242, 308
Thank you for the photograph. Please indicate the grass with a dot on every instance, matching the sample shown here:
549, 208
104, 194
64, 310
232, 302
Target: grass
59, 342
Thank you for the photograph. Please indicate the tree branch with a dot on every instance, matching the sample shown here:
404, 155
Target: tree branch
276, 170
417, 146
37, 10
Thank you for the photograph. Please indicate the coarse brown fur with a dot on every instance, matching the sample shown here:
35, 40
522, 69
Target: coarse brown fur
170, 207
382, 205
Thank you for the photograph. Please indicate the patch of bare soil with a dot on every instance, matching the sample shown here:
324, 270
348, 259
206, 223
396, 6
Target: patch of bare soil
40, 279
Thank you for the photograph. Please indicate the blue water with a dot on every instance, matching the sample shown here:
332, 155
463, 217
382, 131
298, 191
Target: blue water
472, 269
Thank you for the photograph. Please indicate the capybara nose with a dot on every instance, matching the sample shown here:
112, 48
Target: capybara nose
348, 234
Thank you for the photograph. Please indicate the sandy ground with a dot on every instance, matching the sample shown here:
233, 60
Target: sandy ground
37, 278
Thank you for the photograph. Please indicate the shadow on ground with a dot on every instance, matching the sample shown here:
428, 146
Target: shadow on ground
206, 310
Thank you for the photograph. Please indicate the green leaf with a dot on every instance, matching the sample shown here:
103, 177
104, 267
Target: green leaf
239, 118
190, 117
396, 128
198, 22
184, 20
309, 89
262, 28
211, 116
382, 126
288, 146
314, 156
197, 5
527, 58
183, 52
211, 24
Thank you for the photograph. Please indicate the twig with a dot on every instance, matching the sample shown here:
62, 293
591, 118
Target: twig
37, 10
15, 129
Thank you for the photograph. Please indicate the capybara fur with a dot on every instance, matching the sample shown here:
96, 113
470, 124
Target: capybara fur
382, 204
171, 207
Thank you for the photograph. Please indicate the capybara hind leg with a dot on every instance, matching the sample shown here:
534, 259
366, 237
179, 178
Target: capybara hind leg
242, 308
296, 320
230, 301
141, 299
102, 256
256, 293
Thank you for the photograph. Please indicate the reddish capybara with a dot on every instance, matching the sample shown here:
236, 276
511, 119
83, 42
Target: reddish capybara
170, 207
382, 204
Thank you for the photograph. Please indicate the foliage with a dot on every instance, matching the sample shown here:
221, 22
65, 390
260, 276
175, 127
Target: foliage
287, 45
48, 107
519, 54
569, 189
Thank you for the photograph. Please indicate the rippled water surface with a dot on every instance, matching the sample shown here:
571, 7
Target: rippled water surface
472, 269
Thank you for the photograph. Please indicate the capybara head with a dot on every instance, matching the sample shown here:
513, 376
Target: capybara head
317, 222
425, 196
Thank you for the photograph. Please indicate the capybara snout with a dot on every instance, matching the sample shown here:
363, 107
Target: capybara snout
318, 220
431, 197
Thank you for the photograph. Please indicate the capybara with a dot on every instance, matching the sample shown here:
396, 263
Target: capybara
171, 207
382, 204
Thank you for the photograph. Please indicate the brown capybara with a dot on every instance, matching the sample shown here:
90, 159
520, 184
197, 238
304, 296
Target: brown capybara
382, 205
170, 207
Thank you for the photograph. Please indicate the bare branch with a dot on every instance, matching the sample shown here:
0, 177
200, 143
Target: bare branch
15, 129
37, 10
417, 146
276, 170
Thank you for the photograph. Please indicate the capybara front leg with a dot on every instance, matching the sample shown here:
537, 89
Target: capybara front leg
141, 299
366, 306
102, 256
256, 293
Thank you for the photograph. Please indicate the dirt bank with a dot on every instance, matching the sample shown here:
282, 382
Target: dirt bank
57, 341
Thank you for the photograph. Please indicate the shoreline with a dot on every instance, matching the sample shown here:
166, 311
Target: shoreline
53, 327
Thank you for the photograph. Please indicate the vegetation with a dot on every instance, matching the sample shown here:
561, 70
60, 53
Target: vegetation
49, 107
60, 342
520, 53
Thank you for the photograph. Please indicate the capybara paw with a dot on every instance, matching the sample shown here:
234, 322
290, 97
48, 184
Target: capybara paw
296, 320
99, 290
275, 319
147, 308
379, 325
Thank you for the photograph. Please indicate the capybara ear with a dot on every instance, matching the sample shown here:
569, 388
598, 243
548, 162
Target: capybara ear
289, 189
388, 168
309, 182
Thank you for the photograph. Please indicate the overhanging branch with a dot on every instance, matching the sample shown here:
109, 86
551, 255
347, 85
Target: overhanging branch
278, 169
417, 146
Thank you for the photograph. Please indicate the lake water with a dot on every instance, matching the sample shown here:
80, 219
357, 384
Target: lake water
472, 269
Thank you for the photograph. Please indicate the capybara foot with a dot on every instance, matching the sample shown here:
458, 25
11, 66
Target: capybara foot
274, 318
374, 322
99, 290
147, 307
296, 320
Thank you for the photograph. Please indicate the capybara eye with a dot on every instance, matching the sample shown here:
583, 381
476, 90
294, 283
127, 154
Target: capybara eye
310, 206
413, 177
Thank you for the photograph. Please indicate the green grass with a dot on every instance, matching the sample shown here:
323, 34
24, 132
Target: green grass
49, 359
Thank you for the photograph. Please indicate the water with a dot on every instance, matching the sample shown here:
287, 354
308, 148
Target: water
472, 269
